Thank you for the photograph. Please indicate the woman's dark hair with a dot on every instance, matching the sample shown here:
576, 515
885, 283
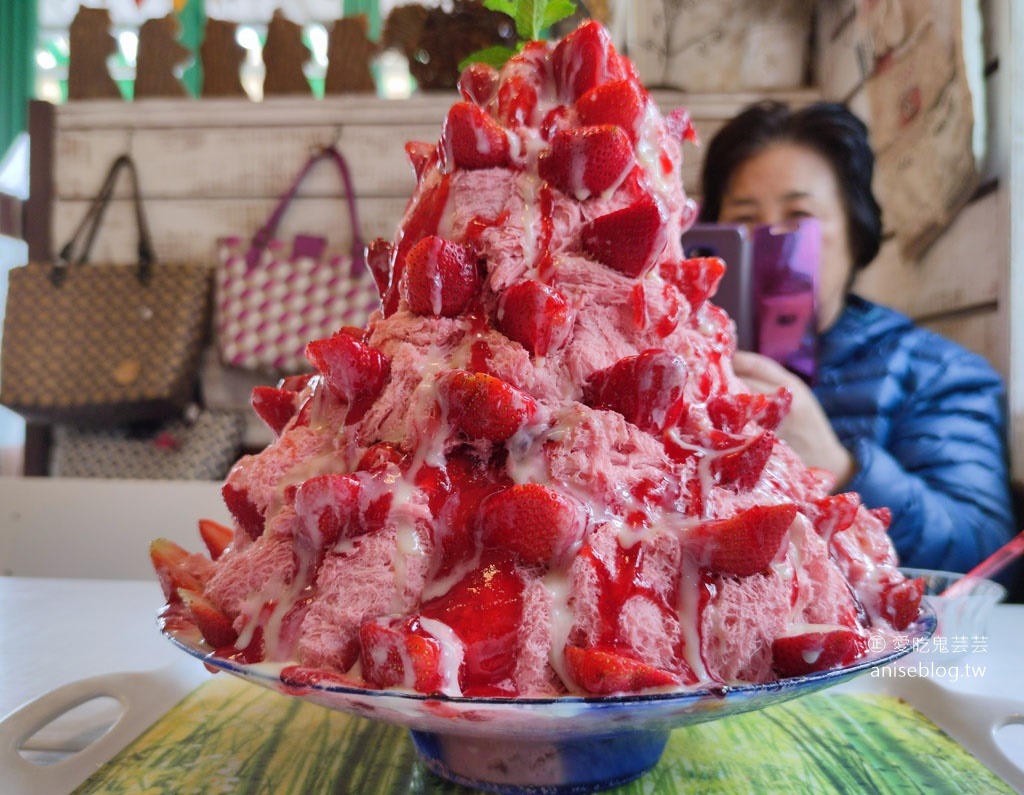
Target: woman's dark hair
829, 129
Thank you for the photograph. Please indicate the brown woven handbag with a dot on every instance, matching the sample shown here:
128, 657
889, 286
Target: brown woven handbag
96, 343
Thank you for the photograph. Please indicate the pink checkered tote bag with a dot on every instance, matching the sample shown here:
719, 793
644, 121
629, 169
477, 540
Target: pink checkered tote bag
273, 296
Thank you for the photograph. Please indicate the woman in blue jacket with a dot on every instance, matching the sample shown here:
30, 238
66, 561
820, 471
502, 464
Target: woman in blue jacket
905, 417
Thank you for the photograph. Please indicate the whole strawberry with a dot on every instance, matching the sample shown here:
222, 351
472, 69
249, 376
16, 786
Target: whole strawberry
484, 407
587, 161
629, 240
744, 544
535, 315
646, 389
471, 139
534, 522
440, 277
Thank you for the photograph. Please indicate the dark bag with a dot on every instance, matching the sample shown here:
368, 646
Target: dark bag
99, 343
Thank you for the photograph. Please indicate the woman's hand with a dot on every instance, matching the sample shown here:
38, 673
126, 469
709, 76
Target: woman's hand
806, 428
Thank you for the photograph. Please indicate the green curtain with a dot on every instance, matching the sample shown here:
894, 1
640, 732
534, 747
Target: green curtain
193, 22
371, 8
17, 67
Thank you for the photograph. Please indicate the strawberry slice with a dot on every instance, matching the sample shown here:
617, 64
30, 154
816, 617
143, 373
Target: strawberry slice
604, 672
697, 279
534, 522
629, 240
354, 372
274, 406
835, 513
177, 568
817, 650
478, 82
743, 544
420, 155
245, 513
622, 103
581, 61
215, 626
484, 407
742, 468
440, 277
471, 139
378, 260
646, 389
216, 536
901, 602
730, 412
485, 609
535, 315
587, 161
400, 653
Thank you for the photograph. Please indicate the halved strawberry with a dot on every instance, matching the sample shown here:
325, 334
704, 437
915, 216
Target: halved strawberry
400, 653
580, 61
646, 389
815, 650
835, 513
697, 279
471, 139
743, 544
534, 522
440, 277
901, 602
478, 82
216, 536
622, 103
328, 507
176, 568
535, 315
485, 609
484, 407
274, 406
354, 372
742, 468
420, 155
215, 626
604, 672
245, 513
731, 411
629, 240
587, 161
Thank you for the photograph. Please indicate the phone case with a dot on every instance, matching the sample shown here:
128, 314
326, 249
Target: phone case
735, 294
785, 282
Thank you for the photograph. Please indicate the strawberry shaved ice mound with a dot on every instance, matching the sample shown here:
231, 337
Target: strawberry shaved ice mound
535, 473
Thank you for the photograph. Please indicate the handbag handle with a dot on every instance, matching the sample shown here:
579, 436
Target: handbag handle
90, 224
266, 232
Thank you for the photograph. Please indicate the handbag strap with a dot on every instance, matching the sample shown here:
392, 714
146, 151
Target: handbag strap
266, 232
90, 224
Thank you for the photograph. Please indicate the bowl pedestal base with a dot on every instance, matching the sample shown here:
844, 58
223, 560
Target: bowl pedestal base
557, 766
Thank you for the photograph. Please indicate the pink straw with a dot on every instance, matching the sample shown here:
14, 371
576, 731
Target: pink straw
991, 565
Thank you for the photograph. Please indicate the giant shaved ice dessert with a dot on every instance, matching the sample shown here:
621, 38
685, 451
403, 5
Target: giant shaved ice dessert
535, 472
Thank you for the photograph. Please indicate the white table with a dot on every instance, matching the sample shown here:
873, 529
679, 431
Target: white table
55, 633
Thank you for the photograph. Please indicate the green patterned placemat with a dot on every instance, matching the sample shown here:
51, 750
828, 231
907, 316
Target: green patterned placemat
232, 737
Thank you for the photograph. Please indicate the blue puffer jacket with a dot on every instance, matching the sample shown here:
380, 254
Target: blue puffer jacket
924, 420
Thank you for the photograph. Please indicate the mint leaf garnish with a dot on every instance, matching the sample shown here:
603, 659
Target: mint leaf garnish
532, 18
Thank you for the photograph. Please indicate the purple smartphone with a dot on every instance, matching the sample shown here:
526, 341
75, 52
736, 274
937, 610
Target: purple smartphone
769, 288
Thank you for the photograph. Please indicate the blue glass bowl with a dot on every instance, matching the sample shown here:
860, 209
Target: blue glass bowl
553, 746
